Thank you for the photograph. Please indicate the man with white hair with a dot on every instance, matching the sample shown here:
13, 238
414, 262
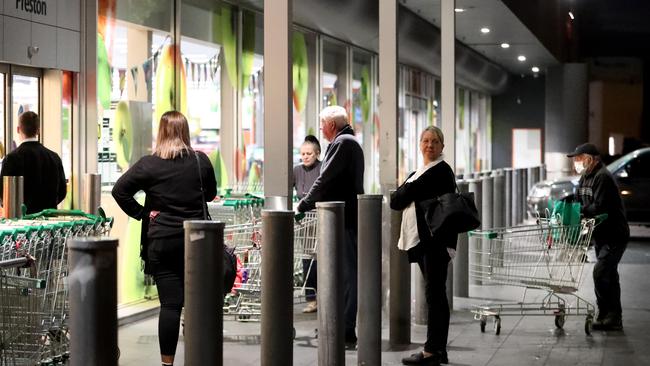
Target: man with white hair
341, 179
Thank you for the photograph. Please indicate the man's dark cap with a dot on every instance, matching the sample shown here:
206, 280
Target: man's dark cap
589, 149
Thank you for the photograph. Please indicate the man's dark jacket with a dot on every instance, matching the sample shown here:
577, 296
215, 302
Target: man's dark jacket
44, 184
341, 177
598, 194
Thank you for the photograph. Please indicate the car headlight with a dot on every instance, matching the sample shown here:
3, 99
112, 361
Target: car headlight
540, 191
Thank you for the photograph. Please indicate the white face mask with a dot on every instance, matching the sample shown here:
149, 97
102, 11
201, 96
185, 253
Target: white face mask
579, 166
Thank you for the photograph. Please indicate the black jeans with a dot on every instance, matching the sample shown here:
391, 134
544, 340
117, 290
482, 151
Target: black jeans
606, 280
433, 265
166, 257
350, 278
309, 273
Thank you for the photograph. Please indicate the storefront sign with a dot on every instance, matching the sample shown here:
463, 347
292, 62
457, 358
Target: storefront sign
38, 7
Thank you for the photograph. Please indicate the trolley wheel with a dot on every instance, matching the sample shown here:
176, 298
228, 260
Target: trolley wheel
559, 320
589, 322
497, 325
483, 322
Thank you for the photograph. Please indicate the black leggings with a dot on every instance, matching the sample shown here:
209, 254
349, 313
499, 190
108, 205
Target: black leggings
166, 257
434, 269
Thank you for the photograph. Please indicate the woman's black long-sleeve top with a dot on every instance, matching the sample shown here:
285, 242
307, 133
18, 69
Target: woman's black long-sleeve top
436, 181
172, 186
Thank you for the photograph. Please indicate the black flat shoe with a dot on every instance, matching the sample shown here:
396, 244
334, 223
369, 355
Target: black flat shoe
419, 359
442, 355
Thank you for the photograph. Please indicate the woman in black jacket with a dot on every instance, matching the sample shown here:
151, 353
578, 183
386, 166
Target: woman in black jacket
170, 179
432, 254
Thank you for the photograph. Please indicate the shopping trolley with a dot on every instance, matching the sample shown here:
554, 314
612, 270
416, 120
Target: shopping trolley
304, 248
547, 257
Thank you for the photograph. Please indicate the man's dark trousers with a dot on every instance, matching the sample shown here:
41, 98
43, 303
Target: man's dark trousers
606, 280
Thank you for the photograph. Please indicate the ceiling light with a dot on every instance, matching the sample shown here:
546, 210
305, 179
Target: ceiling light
459, 10
485, 30
571, 15
521, 58
535, 69
505, 45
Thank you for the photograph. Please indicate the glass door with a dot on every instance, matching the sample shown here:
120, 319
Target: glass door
25, 97
2, 114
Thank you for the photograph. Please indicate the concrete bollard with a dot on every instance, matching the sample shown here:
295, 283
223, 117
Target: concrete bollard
399, 287
93, 301
487, 202
203, 292
507, 197
92, 193
331, 327
476, 186
277, 274
461, 262
12, 196
369, 280
542, 172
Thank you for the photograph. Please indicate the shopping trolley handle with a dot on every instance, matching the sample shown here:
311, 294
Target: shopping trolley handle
598, 219
484, 234
299, 216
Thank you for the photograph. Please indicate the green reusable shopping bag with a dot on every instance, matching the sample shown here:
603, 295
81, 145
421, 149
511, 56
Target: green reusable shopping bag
566, 213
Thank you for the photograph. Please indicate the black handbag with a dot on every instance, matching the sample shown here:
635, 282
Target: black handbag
229, 259
452, 212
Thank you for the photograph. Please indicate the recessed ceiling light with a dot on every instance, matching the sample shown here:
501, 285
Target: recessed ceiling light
571, 15
521, 58
459, 10
505, 45
485, 30
535, 69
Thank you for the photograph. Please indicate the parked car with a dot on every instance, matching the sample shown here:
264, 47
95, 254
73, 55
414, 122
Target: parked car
632, 173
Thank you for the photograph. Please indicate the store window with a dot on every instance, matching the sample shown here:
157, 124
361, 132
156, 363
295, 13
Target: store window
335, 72
362, 115
2, 116
305, 81
25, 97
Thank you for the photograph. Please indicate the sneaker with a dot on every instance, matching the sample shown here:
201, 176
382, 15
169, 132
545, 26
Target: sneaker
420, 359
311, 307
609, 322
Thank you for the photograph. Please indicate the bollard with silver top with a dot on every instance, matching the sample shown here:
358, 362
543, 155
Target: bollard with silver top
486, 202
92, 193
93, 301
12, 196
203, 292
331, 327
524, 195
277, 274
461, 262
399, 286
476, 186
369, 241
542, 172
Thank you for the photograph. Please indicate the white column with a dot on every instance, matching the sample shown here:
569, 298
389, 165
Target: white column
278, 99
448, 80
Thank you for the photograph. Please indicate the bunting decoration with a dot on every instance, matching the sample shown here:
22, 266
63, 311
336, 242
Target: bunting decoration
134, 77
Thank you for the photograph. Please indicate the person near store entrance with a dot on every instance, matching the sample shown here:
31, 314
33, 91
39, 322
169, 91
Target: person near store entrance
175, 192
598, 194
304, 176
341, 179
44, 184
432, 253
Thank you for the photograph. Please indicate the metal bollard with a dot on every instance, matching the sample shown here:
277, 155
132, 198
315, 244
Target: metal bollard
331, 327
369, 241
486, 202
461, 262
537, 173
93, 301
12, 196
277, 274
476, 186
92, 193
507, 197
420, 307
400, 287
203, 292
542, 172
498, 199
516, 194
524, 195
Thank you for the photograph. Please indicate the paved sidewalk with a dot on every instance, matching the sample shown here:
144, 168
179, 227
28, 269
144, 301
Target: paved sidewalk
524, 340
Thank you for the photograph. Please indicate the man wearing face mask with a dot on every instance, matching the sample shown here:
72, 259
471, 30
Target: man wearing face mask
599, 194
